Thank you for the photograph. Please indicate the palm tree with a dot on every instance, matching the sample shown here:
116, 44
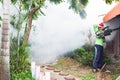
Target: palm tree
4, 55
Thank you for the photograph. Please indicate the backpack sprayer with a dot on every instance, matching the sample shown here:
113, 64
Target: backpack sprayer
106, 32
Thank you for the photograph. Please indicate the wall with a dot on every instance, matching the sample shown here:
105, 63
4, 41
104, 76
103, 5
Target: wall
112, 47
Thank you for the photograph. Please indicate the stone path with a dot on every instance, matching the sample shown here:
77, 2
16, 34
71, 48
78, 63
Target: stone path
57, 74
47, 72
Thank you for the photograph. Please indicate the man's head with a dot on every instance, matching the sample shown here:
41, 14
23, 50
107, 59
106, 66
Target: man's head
101, 25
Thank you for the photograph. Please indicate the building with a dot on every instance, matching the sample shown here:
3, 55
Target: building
112, 19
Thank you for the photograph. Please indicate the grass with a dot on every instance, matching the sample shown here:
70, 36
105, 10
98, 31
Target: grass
71, 66
88, 77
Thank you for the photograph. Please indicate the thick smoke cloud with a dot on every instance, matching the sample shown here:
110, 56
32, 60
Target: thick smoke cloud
61, 30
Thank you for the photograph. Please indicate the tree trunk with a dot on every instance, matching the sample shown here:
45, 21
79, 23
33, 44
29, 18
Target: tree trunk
30, 18
4, 55
27, 33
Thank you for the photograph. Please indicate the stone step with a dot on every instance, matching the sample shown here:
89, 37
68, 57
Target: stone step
47, 72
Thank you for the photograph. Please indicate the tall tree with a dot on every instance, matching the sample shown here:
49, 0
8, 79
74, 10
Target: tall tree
4, 55
34, 8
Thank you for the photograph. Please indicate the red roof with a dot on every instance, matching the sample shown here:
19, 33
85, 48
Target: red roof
112, 13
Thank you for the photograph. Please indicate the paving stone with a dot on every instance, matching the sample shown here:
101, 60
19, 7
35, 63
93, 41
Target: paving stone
69, 78
49, 65
50, 68
56, 70
63, 74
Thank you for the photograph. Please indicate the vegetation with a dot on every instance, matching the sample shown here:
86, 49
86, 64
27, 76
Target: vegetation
83, 56
89, 77
79, 64
110, 1
19, 52
115, 74
19, 61
81, 72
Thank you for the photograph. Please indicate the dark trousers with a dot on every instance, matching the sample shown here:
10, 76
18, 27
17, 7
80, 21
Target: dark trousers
98, 56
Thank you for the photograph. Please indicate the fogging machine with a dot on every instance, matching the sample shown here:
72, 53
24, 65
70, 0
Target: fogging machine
106, 31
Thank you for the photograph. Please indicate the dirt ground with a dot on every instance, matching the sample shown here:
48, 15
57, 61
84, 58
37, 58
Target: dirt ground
81, 72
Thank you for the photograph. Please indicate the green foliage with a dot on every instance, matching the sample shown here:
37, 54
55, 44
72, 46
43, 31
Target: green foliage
56, 1
84, 2
78, 6
0, 18
27, 6
1, 1
19, 54
88, 77
32, 4
83, 56
14, 1
110, 1
23, 75
17, 20
115, 74
19, 61
106, 59
35, 16
83, 14
75, 5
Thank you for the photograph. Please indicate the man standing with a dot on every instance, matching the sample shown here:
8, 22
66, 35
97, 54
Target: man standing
98, 47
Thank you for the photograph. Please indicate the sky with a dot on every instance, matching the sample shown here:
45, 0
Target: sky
62, 30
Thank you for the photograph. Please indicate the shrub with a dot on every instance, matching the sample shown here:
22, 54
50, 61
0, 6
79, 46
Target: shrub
83, 56
19, 61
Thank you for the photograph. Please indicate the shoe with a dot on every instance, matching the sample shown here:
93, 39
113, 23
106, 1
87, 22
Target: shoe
94, 70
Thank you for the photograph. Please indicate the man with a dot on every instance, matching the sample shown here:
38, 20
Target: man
98, 48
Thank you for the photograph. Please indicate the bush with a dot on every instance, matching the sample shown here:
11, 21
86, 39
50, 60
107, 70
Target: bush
19, 61
83, 56
106, 59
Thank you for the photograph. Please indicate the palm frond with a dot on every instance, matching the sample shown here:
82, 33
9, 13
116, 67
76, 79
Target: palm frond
83, 14
56, 1
108, 1
0, 18
84, 2
111, 1
14, 1
78, 6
